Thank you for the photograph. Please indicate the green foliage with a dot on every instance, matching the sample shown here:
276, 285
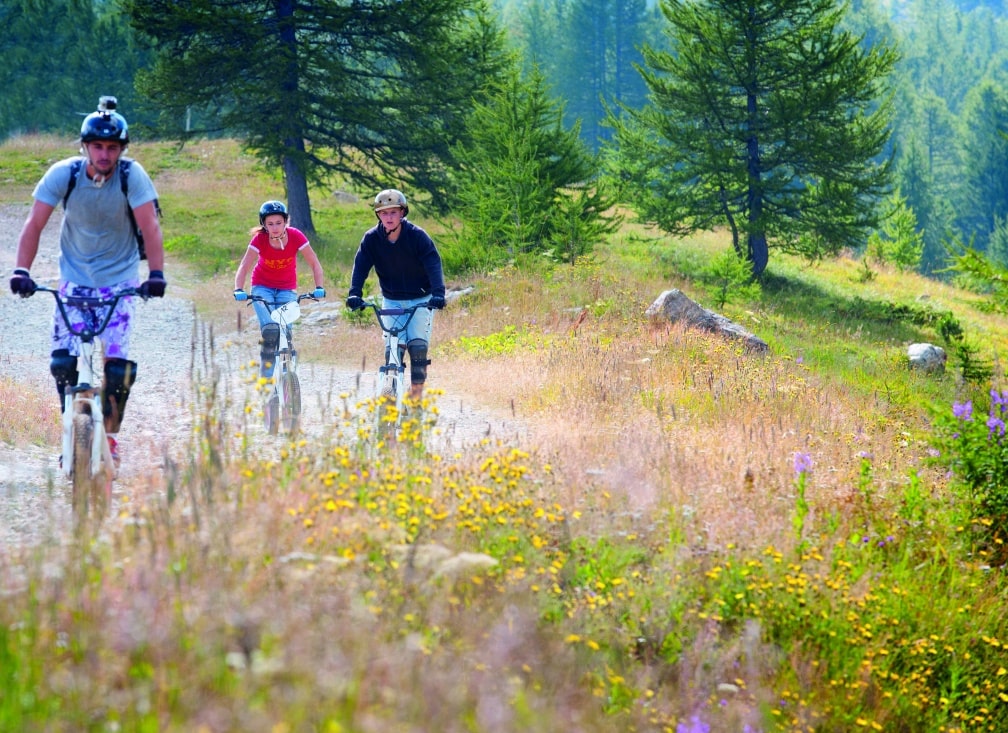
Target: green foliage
898, 241
984, 185
971, 364
998, 249
373, 93
976, 449
591, 55
524, 183
885, 311
501, 343
746, 132
59, 57
729, 278
978, 273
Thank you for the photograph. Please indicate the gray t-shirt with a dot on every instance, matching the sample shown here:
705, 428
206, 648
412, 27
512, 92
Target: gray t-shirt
97, 246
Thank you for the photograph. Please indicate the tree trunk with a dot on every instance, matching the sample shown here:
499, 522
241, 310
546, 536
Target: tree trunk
758, 253
295, 182
297, 197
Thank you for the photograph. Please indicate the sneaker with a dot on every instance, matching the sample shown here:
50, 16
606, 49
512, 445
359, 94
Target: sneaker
114, 450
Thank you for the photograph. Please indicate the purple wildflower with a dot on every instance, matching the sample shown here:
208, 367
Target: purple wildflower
963, 410
694, 725
995, 425
802, 463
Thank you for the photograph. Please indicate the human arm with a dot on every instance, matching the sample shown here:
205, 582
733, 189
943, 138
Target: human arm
27, 247
31, 233
313, 262
148, 224
430, 258
248, 261
361, 268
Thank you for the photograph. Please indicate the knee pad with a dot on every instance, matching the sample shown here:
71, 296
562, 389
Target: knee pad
270, 338
418, 361
63, 367
119, 377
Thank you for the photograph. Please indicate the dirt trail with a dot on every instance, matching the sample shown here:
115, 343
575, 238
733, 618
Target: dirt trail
168, 339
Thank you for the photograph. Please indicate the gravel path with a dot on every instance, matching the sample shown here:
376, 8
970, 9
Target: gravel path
168, 342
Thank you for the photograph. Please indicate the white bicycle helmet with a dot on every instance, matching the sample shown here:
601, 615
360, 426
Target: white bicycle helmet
390, 199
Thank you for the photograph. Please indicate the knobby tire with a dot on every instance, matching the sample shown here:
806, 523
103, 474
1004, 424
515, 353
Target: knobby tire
291, 387
272, 414
87, 491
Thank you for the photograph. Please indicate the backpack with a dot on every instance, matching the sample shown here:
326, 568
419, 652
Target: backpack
124, 169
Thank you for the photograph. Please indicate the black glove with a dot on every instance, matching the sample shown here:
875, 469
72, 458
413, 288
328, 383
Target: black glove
437, 302
355, 303
21, 283
154, 287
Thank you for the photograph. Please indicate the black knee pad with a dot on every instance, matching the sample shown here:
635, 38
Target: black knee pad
119, 377
270, 339
418, 361
63, 367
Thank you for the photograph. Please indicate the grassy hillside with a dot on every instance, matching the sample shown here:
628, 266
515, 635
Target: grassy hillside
693, 539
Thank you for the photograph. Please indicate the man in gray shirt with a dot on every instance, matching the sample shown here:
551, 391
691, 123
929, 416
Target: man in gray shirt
99, 255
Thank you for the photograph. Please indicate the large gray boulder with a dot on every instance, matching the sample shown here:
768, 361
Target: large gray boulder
675, 307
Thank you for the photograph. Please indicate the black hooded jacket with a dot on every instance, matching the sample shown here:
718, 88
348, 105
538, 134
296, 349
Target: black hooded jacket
407, 269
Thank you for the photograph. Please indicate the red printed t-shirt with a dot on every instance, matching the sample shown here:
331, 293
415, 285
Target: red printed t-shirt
277, 268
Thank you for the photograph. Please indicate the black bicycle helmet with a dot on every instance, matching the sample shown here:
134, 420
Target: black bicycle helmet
272, 207
105, 124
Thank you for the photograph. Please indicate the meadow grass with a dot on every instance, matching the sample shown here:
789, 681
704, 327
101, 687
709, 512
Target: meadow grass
694, 539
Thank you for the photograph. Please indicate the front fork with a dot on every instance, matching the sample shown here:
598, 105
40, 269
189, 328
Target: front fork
68, 416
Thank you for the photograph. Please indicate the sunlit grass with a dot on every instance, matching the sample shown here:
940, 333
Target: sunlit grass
30, 412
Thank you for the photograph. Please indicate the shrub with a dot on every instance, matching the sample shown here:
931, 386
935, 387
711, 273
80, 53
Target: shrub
976, 450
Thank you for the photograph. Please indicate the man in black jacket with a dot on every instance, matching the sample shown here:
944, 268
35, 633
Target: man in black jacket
409, 272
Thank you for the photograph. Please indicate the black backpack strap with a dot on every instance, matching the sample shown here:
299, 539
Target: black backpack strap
74, 172
124, 169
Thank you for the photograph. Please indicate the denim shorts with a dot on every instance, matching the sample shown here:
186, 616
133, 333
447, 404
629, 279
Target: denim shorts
420, 325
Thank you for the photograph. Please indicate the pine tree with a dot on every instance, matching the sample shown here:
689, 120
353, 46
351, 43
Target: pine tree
374, 93
765, 117
525, 183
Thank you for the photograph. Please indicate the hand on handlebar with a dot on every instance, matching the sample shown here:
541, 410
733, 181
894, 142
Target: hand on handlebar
318, 292
437, 302
240, 295
355, 303
21, 283
154, 286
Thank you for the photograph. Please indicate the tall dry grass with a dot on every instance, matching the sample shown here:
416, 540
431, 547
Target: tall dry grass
693, 538
658, 416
